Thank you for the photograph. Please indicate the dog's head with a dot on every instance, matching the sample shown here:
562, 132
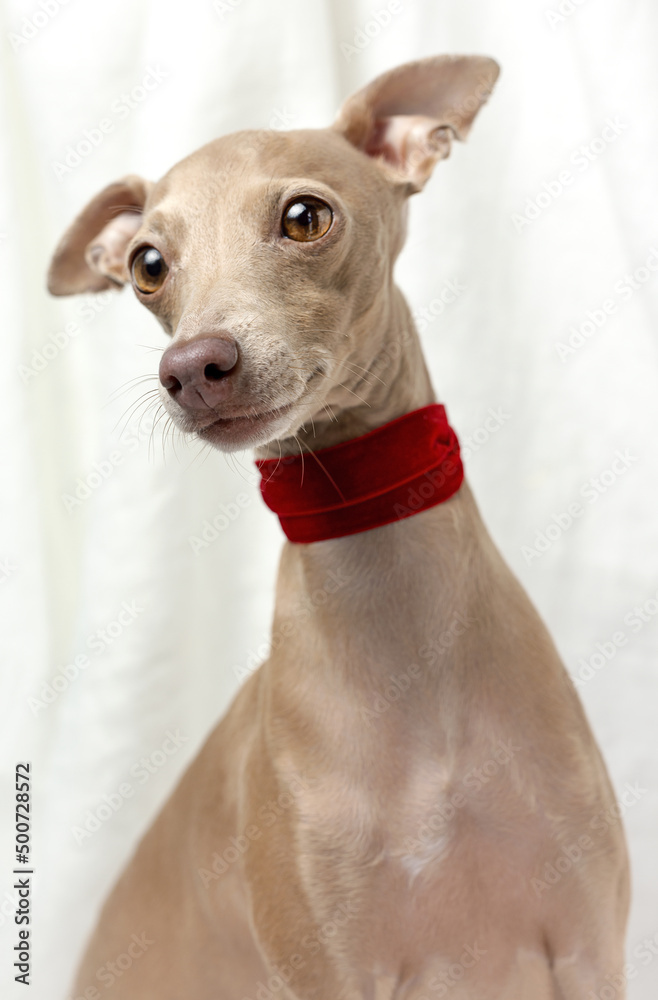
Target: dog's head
268, 256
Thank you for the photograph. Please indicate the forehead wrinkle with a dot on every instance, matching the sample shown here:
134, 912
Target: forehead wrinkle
166, 224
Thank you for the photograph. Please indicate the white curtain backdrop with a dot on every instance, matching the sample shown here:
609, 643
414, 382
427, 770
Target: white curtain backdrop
532, 263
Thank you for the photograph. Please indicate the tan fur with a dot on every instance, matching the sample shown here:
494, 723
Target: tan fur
393, 830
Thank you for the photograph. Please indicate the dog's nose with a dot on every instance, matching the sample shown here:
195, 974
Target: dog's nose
196, 373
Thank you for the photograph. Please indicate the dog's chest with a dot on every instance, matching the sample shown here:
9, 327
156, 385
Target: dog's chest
402, 863
414, 829
384, 829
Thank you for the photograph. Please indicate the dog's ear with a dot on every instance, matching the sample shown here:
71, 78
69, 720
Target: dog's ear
91, 255
407, 118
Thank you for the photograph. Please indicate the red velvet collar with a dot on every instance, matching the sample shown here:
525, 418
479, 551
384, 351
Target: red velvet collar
399, 469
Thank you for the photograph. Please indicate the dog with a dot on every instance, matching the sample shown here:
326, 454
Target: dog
405, 800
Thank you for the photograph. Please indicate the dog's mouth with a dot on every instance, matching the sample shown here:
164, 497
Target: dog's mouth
245, 429
247, 426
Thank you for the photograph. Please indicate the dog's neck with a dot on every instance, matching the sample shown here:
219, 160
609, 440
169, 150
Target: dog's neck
357, 580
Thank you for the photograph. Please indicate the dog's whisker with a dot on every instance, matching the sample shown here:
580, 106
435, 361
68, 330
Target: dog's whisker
314, 455
201, 446
238, 469
150, 396
368, 372
146, 400
155, 404
206, 452
169, 437
347, 389
127, 386
340, 384
151, 445
149, 347
346, 362
301, 453
246, 472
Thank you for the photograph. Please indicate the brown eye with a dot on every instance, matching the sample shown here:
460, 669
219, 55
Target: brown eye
306, 220
149, 270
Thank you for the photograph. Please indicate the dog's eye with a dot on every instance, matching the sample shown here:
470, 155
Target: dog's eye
306, 220
149, 270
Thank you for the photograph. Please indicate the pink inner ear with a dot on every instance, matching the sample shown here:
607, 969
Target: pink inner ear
385, 140
407, 141
106, 252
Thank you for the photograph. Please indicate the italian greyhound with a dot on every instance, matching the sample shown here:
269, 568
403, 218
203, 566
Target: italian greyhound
405, 800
